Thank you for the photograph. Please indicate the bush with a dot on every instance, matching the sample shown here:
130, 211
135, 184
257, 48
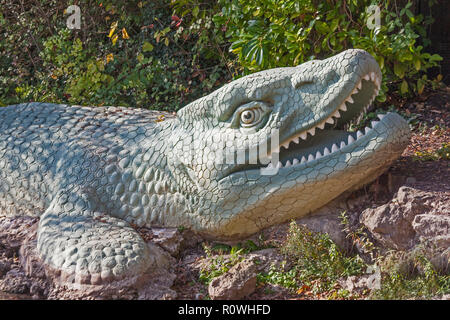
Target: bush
162, 56
318, 259
126, 53
270, 33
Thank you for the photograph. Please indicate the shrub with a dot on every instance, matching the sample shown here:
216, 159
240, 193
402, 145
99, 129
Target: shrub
126, 53
317, 259
270, 33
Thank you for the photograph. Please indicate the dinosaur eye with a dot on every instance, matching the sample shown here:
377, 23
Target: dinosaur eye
250, 117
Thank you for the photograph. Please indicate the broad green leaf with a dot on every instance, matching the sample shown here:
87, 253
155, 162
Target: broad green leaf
147, 47
404, 87
195, 11
420, 86
417, 64
322, 27
399, 70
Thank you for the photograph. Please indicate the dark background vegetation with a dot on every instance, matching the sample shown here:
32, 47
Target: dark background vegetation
164, 54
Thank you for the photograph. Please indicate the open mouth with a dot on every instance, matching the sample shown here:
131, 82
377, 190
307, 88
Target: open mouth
329, 136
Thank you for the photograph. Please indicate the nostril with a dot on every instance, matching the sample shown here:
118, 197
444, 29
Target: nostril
300, 81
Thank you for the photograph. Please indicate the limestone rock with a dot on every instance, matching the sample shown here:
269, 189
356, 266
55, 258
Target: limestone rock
412, 216
237, 283
168, 238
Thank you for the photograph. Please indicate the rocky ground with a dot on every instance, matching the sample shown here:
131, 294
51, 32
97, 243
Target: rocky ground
406, 208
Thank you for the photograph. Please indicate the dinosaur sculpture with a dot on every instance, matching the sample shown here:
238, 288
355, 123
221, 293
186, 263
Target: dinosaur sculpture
88, 173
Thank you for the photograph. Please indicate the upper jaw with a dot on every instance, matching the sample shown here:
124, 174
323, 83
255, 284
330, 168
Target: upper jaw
352, 101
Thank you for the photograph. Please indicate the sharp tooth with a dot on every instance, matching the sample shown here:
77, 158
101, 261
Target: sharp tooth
377, 90
318, 155
359, 85
374, 123
288, 164
350, 139
337, 114
295, 161
372, 76
270, 165
367, 129
295, 140
310, 157
343, 107
286, 145
380, 116
304, 135
334, 147
312, 131
359, 134
366, 77
321, 125
330, 120
326, 151
279, 165
303, 160
349, 99
342, 144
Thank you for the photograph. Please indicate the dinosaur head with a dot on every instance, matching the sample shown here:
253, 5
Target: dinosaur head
293, 120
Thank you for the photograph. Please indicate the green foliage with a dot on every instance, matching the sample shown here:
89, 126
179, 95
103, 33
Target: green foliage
318, 261
271, 33
126, 53
409, 275
286, 279
218, 264
159, 55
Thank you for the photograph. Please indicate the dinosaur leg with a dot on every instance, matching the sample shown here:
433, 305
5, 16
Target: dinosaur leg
82, 247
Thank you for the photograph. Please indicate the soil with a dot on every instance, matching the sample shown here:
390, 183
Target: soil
430, 131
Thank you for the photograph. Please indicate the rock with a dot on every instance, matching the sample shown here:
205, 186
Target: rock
330, 224
388, 225
15, 281
356, 283
409, 218
5, 266
237, 283
168, 238
433, 227
158, 286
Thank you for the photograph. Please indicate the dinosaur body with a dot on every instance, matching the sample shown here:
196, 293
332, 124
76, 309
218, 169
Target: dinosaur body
90, 172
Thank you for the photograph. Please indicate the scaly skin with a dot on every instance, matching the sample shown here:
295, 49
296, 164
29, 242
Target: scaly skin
90, 172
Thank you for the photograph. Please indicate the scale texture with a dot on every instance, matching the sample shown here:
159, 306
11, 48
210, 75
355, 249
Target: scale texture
91, 173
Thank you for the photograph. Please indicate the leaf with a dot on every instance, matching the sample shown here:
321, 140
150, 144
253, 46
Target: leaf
195, 11
125, 34
404, 87
420, 86
114, 39
322, 27
111, 32
147, 47
417, 64
399, 70
436, 57
109, 57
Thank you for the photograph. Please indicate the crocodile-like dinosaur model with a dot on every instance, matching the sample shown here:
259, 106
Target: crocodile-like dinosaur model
88, 173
